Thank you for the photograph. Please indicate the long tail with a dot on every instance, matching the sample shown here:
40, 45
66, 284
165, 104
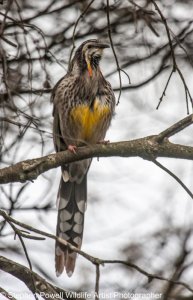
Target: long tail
72, 198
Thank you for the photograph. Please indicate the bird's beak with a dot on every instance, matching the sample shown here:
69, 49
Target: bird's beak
103, 45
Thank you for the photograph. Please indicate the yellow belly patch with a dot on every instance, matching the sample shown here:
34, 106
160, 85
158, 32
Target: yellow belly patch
89, 119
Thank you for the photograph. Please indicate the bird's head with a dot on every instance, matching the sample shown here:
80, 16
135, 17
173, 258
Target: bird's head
89, 54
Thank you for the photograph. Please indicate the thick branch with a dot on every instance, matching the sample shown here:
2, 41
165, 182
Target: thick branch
145, 148
44, 288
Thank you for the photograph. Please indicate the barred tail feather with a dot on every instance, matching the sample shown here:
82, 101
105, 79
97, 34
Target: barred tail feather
72, 198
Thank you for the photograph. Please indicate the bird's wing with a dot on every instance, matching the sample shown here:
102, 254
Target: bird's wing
62, 100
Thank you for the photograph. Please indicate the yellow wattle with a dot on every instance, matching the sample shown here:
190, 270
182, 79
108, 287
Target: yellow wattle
89, 119
89, 69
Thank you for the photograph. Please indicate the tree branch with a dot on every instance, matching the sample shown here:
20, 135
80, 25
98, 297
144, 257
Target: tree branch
146, 148
113, 49
94, 260
43, 287
175, 65
6, 294
174, 129
173, 176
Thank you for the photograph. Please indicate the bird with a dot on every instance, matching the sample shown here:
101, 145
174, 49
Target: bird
83, 107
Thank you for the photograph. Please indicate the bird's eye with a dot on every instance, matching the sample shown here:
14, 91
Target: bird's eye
89, 47
96, 56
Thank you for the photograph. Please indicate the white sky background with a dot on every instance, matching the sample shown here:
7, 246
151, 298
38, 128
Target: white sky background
128, 198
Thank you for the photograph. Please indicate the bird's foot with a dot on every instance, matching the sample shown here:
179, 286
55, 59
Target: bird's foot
72, 148
104, 142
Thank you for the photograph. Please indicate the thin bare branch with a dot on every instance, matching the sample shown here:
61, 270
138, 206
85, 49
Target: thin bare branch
113, 49
175, 66
75, 26
173, 176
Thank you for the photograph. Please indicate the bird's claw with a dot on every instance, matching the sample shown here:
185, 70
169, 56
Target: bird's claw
72, 148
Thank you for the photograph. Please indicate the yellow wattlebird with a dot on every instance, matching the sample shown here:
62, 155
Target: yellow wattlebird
84, 104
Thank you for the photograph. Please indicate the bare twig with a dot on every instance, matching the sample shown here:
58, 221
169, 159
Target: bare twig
20, 234
164, 91
174, 176
147, 274
113, 49
19, 124
168, 33
175, 66
187, 91
75, 26
159, 71
178, 265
